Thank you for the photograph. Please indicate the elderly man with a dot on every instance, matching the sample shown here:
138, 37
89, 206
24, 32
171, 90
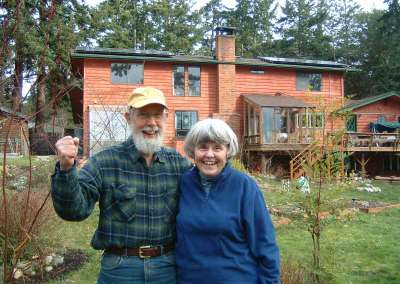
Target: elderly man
136, 186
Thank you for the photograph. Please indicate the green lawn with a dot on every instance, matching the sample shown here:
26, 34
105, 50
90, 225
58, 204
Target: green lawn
361, 248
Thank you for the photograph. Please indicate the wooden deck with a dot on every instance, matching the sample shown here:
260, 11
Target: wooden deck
283, 147
372, 142
373, 149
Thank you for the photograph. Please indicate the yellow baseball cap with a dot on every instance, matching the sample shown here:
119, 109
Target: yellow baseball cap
144, 96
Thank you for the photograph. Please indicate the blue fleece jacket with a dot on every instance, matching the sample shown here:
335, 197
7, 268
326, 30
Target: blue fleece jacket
225, 236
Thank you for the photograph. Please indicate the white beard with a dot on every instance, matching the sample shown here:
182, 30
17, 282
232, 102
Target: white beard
144, 145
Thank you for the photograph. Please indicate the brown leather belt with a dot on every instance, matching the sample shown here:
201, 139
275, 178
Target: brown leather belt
142, 251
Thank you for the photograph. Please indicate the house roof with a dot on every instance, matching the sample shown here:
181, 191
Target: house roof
354, 104
10, 112
155, 55
275, 101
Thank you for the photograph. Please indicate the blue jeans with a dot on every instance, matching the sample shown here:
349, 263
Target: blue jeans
116, 269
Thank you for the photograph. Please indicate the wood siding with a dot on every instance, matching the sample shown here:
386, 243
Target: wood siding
16, 131
98, 90
388, 108
284, 81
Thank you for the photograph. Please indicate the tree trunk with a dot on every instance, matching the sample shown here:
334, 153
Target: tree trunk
40, 102
18, 82
18, 79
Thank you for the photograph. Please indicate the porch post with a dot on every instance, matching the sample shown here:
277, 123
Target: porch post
263, 164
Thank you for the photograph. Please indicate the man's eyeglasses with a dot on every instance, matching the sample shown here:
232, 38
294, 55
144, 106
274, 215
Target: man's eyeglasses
147, 116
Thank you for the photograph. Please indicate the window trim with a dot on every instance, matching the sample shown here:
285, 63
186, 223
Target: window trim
117, 83
175, 121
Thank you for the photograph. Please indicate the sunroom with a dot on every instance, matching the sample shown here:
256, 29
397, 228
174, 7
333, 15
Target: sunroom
280, 122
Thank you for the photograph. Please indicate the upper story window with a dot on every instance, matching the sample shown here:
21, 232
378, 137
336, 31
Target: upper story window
306, 81
186, 80
126, 73
184, 120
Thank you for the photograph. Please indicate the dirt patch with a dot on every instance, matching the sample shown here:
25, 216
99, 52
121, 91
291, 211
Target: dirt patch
73, 260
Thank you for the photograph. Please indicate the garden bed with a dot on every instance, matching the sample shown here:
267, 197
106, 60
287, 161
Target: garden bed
73, 260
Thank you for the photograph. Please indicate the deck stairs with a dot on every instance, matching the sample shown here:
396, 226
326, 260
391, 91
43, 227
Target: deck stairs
309, 156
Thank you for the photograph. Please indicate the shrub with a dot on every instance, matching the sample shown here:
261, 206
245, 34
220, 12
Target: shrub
238, 165
293, 273
27, 225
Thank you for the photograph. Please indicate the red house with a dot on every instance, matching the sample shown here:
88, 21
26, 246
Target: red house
373, 134
275, 105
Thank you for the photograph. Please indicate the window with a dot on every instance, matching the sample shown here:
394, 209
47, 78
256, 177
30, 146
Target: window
351, 123
186, 80
126, 73
179, 80
317, 120
107, 126
308, 81
194, 81
310, 120
184, 120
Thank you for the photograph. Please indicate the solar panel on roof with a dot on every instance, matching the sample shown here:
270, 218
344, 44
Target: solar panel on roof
299, 61
124, 51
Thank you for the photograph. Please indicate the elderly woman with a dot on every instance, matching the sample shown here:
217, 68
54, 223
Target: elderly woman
224, 231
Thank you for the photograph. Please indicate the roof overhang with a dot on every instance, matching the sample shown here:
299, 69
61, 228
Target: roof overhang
366, 101
275, 101
166, 56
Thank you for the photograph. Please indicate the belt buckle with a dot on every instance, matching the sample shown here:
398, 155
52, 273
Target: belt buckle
141, 252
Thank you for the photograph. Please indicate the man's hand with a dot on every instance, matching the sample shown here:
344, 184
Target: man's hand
67, 150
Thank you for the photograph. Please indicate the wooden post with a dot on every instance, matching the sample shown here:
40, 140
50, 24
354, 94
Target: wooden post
363, 162
263, 164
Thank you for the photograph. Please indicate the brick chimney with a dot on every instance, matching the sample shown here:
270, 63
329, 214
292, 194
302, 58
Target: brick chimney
225, 54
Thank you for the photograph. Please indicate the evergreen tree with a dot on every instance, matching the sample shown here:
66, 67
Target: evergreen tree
344, 30
379, 53
253, 18
123, 24
386, 72
175, 25
214, 14
301, 28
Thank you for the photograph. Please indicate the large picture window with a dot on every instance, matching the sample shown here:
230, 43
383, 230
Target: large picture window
186, 80
306, 81
184, 120
126, 73
107, 126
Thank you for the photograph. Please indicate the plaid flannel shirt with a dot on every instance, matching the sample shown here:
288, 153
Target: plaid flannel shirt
138, 204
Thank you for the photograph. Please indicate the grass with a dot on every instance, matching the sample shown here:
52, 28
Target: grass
78, 235
361, 248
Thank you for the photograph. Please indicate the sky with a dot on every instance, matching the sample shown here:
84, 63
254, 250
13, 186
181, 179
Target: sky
367, 5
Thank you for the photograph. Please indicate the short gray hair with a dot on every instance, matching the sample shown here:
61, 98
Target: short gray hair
211, 130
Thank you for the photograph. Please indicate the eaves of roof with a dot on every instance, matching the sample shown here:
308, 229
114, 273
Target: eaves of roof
146, 58
124, 54
369, 100
260, 63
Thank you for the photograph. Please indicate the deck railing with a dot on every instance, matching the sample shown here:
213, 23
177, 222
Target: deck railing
365, 139
280, 138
